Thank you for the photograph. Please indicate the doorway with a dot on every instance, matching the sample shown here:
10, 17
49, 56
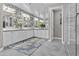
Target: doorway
56, 24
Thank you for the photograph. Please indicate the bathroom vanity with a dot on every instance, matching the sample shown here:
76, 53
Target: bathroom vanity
11, 36
16, 35
19, 25
42, 33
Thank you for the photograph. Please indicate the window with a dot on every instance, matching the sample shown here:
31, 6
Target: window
3, 24
11, 23
19, 18
7, 21
35, 21
27, 19
9, 9
39, 23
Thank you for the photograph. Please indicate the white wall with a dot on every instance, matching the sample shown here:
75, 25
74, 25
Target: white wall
1, 33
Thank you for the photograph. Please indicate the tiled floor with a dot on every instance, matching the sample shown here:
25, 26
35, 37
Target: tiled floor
54, 48
36, 47
25, 48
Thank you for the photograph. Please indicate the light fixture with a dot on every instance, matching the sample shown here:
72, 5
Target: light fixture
36, 19
8, 9
41, 21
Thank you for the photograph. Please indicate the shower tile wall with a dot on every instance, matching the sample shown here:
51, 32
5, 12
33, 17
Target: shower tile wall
78, 29
72, 18
65, 13
0, 26
69, 27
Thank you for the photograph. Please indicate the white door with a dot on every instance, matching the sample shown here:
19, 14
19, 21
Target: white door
57, 23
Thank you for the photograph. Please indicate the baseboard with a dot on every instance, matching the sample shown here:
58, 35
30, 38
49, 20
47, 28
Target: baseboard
40, 37
57, 38
13, 44
50, 40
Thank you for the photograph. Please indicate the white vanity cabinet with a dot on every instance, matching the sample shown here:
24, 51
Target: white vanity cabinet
17, 36
13, 36
10, 37
41, 33
7, 38
28, 34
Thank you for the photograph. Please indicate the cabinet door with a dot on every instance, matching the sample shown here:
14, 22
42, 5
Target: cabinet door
7, 38
35, 33
46, 34
15, 36
29, 33
26, 34
18, 36
42, 33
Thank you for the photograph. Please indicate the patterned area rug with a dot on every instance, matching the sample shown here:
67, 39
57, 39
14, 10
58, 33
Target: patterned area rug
30, 46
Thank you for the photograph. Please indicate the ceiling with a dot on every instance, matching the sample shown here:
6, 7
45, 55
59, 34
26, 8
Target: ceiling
38, 9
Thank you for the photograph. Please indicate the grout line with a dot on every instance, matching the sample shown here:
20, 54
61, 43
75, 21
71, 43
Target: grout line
76, 32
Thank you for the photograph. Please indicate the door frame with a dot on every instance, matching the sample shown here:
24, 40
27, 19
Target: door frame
51, 21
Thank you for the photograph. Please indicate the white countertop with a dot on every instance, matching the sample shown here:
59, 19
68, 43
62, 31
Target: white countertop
19, 29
